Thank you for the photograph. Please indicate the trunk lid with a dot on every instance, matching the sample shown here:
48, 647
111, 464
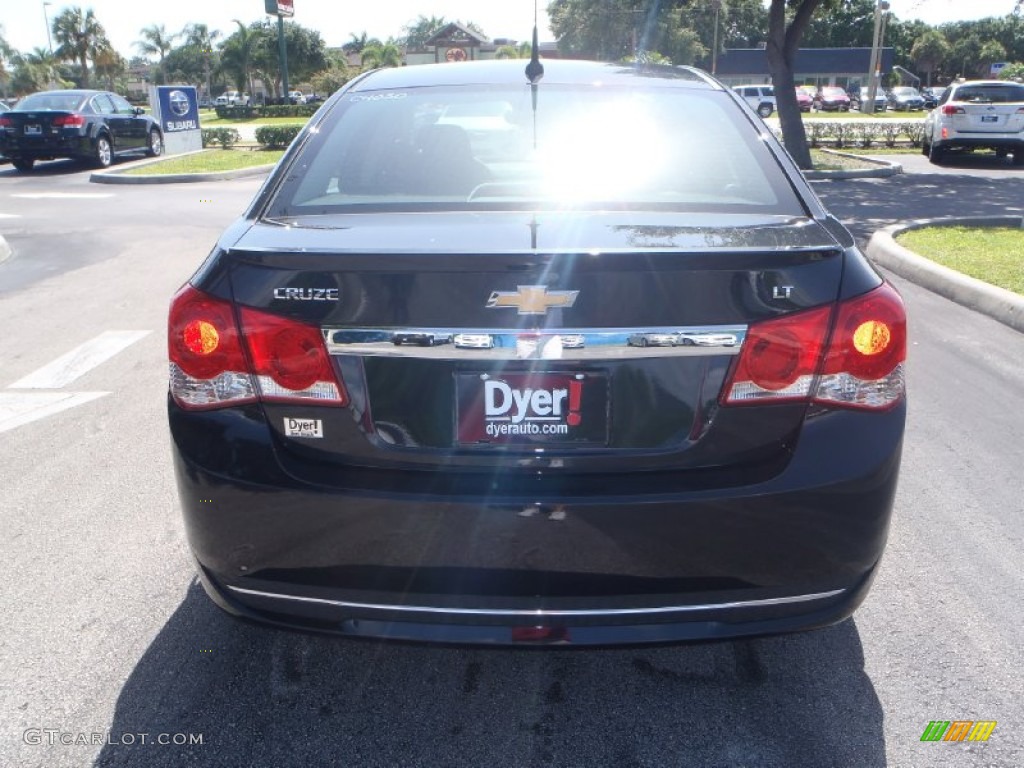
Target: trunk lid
466, 339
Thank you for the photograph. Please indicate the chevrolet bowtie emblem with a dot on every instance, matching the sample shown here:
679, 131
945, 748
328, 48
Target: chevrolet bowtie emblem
532, 299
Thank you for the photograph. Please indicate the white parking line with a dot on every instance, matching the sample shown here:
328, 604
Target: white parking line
79, 361
63, 195
18, 408
10, 215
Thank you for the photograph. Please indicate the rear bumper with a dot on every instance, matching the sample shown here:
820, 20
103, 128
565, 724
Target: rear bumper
73, 146
1014, 142
794, 552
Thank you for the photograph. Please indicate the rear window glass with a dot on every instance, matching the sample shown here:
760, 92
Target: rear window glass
55, 101
470, 147
994, 94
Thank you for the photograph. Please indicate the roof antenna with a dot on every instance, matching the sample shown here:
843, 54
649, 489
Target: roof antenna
534, 70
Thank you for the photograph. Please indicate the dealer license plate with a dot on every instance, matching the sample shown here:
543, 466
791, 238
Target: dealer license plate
33, 130
534, 408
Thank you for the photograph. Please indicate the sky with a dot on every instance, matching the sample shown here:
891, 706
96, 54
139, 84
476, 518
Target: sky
24, 26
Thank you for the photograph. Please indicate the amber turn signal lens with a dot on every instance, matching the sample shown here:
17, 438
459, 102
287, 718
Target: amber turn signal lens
871, 337
201, 337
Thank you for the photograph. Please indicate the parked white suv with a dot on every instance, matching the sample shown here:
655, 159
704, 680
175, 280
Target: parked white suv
760, 97
977, 114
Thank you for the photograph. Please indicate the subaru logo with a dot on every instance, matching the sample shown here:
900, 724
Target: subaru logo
179, 103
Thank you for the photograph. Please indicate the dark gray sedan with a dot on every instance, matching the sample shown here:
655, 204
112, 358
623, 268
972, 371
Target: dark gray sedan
94, 126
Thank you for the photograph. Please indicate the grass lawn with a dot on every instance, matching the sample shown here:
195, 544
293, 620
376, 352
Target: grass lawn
992, 254
209, 161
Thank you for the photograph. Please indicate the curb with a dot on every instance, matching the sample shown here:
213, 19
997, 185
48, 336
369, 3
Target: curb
5, 250
119, 177
885, 170
998, 303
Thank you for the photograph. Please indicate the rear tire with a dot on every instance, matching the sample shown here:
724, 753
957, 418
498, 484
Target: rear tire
23, 164
765, 110
1018, 157
155, 145
103, 155
936, 154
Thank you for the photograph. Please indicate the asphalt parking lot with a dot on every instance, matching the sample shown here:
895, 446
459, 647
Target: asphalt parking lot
105, 631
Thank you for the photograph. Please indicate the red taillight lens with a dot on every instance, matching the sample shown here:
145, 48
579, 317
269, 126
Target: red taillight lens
289, 359
208, 367
779, 359
864, 364
951, 109
69, 121
862, 367
6, 122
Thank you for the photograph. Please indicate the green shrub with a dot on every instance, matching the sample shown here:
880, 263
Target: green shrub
287, 110
914, 130
275, 136
226, 137
236, 112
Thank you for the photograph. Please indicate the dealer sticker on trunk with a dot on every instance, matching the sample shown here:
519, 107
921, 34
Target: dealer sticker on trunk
531, 408
303, 427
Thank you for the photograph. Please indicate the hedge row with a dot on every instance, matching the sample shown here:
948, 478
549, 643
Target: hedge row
861, 133
239, 112
225, 137
276, 136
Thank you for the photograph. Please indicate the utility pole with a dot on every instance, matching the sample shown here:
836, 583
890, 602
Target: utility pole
281, 8
46, 18
717, 5
873, 75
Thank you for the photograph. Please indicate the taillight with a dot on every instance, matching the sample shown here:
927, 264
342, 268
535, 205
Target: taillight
784, 359
290, 360
210, 368
6, 122
68, 121
864, 364
952, 109
779, 359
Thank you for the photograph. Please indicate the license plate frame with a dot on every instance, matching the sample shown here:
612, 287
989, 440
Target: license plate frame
33, 129
990, 118
540, 409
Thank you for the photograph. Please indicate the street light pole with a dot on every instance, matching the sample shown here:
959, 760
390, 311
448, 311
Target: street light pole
881, 5
714, 51
46, 18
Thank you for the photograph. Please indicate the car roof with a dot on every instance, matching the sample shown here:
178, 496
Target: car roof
511, 72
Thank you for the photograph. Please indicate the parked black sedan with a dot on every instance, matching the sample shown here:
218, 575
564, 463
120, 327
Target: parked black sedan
94, 126
537, 491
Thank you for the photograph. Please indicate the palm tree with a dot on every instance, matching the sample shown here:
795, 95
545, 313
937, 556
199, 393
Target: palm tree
36, 71
80, 37
110, 65
376, 55
357, 43
236, 57
200, 36
156, 42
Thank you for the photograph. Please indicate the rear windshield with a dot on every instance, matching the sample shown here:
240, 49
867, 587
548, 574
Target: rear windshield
994, 94
469, 147
55, 101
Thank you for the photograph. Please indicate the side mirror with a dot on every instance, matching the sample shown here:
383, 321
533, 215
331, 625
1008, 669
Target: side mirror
138, 111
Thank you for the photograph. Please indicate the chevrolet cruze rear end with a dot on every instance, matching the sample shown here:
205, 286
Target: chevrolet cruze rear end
561, 483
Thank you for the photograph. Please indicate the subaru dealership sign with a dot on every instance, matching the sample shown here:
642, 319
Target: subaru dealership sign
176, 109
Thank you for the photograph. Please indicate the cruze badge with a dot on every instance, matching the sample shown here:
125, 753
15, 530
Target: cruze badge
532, 299
306, 294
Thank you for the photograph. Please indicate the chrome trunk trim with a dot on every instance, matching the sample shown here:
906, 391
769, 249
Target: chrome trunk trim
494, 344
535, 614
